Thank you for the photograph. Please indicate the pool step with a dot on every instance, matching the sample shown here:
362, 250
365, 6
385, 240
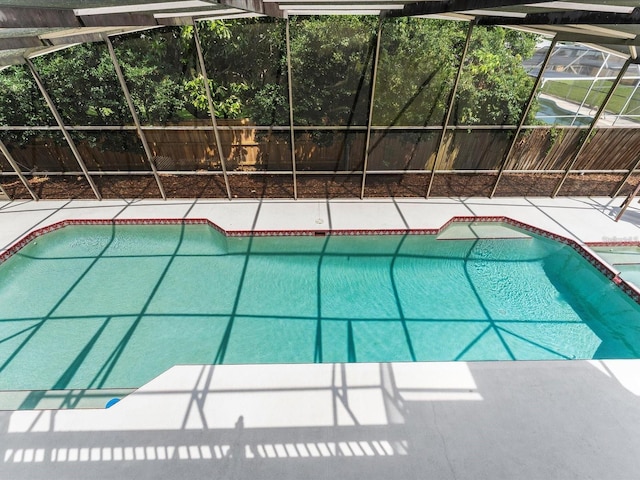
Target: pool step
475, 231
59, 399
623, 255
625, 258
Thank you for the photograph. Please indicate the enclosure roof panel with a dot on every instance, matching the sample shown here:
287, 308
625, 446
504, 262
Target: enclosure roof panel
30, 25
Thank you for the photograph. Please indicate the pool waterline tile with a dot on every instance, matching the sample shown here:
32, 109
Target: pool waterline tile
613, 275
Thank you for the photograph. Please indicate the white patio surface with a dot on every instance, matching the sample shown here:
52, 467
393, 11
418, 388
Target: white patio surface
476, 420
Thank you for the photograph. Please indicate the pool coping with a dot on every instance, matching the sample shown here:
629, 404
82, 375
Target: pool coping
582, 249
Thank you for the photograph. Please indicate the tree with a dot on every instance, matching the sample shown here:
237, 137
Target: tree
155, 65
247, 66
417, 66
332, 61
494, 85
83, 85
21, 102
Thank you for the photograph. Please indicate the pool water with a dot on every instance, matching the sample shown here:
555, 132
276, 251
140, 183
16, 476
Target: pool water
625, 259
97, 307
549, 112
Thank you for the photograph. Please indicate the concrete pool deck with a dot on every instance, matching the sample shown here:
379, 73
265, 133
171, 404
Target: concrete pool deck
526, 420
582, 219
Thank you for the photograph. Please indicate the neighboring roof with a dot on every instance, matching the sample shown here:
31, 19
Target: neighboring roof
29, 26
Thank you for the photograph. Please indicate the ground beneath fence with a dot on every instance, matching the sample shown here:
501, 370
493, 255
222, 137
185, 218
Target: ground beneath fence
321, 186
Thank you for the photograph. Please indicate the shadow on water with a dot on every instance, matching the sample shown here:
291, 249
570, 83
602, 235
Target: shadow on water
492, 325
103, 373
608, 312
396, 295
348, 345
224, 343
317, 354
114, 357
43, 321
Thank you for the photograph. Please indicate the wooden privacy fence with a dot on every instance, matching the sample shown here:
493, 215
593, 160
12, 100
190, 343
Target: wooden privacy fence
539, 149
44, 155
403, 150
330, 150
544, 149
551, 149
474, 149
611, 149
244, 150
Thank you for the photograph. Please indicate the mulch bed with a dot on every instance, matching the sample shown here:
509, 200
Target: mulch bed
321, 186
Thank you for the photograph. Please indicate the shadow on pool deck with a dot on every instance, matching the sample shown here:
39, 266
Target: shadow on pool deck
526, 420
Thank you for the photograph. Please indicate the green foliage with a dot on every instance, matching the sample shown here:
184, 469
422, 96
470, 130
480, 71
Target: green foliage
416, 69
20, 101
270, 105
332, 66
226, 99
556, 135
494, 87
331, 59
83, 85
213, 29
21, 104
247, 61
154, 64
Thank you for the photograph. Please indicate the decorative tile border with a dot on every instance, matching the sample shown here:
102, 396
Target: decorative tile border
613, 244
324, 233
582, 249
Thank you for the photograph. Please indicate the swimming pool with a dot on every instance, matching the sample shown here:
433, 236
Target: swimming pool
113, 306
549, 112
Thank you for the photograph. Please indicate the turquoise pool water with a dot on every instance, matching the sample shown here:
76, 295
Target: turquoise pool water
549, 112
625, 259
89, 307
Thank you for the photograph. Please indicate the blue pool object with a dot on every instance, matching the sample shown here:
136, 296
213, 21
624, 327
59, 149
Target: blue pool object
113, 306
112, 402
